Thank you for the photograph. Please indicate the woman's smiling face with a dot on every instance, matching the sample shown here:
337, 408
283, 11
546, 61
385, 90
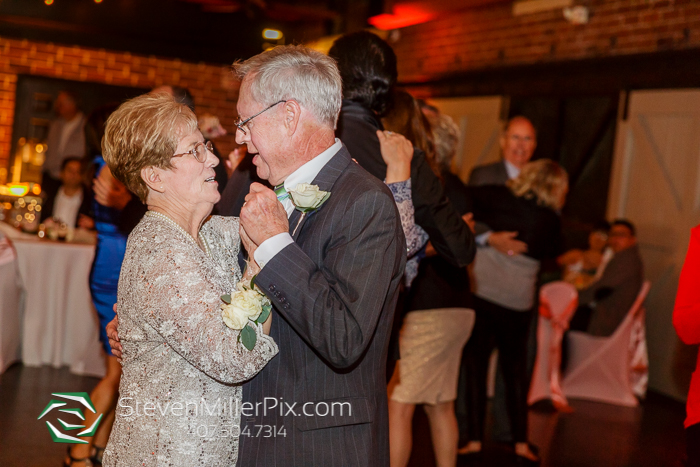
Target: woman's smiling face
190, 182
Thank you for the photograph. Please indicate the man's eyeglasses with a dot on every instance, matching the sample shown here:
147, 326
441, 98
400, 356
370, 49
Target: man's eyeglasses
241, 125
199, 151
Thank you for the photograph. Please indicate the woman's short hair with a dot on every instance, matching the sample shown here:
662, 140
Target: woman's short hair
544, 180
144, 132
367, 65
295, 72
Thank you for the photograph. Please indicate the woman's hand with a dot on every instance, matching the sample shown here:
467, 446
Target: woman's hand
113, 335
397, 153
250, 246
109, 191
267, 324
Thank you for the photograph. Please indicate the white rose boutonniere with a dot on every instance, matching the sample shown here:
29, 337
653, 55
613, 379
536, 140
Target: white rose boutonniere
307, 198
246, 304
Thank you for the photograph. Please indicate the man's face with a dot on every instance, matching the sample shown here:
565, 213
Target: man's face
65, 106
519, 142
71, 175
265, 137
620, 238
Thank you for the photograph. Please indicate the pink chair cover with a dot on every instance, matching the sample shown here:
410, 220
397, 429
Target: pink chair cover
607, 369
558, 302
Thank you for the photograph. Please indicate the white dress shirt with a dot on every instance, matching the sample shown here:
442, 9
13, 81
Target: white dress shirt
66, 207
304, 174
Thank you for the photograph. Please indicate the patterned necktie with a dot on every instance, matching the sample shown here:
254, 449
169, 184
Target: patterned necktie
281, 193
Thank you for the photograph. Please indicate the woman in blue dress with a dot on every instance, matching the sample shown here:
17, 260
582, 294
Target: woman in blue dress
116, 212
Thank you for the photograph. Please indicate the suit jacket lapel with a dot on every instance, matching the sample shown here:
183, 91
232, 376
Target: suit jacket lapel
325, 180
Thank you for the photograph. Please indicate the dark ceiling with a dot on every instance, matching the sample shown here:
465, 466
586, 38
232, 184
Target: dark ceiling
216, 31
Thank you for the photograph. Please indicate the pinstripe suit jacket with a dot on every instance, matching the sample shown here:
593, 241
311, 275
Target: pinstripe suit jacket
334, 291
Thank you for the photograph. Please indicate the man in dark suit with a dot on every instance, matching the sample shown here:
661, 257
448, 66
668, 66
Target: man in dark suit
368, 67
518, 142
606, 302
331, 274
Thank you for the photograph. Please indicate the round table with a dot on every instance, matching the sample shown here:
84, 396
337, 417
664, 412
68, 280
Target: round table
60, 325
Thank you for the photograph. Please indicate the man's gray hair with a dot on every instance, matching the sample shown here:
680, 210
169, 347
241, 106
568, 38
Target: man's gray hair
295, 72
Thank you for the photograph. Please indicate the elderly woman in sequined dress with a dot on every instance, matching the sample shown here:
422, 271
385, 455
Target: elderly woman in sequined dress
180, 394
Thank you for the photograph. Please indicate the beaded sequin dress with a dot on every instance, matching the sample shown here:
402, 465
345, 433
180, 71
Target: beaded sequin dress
180, 395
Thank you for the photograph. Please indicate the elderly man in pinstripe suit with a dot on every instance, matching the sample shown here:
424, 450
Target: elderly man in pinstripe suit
332, 274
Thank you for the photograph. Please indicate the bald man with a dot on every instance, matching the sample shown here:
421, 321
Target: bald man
518, 142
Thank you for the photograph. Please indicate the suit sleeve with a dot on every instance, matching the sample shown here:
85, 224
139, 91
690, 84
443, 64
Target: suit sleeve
449, 234
616, 273
335, 306
686, 312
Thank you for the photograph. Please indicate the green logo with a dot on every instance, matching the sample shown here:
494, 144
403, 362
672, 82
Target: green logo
80, 397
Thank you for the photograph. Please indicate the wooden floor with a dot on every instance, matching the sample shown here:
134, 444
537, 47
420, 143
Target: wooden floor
599, 435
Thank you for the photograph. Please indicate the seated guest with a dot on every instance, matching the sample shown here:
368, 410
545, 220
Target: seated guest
70, 201
583, 267
605, 303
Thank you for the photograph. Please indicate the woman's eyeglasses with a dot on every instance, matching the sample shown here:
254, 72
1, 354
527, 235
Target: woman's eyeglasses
199, 151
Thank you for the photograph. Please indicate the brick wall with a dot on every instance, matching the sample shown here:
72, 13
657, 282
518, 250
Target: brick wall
212, 86
491, 36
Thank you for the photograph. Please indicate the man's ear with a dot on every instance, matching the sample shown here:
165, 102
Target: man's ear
292, 116
151, 176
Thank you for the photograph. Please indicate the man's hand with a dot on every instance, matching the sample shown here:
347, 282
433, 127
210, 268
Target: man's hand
506, 243
397, 153
86, 222
262, 215
113, 336
109, 191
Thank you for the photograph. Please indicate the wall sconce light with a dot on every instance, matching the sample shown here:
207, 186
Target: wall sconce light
272, 34
576, 14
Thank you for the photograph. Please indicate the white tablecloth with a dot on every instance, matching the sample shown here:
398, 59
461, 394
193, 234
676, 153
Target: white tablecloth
60, 325
11, 295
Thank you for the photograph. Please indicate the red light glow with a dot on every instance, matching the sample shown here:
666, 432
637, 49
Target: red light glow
403, 16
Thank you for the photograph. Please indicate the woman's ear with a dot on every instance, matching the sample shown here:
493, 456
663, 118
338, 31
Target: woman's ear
151, 176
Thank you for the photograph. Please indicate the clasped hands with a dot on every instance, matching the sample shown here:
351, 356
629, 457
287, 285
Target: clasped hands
262, 217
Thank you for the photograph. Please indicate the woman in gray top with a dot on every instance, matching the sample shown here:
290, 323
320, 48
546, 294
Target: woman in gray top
179, 396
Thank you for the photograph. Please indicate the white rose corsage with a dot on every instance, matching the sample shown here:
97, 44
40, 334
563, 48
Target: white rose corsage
246, 304
307, 198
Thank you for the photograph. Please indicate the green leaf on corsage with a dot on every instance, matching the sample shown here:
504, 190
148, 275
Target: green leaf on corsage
248, 337
266, 309
226, 299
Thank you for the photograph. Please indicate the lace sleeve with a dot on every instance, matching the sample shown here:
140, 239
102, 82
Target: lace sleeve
416, 237
182, 291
